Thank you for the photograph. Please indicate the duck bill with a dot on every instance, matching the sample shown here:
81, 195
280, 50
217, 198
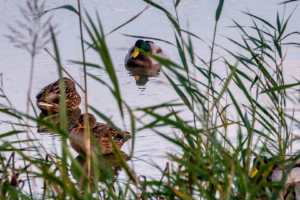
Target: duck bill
136, 52
75, 127
137, 78
253, 173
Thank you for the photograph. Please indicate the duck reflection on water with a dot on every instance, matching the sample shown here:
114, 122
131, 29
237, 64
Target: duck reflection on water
142, 73
72, 118
102, 168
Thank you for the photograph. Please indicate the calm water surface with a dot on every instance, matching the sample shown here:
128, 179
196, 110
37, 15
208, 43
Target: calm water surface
196, 16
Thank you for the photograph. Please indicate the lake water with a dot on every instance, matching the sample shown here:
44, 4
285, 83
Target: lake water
196, 16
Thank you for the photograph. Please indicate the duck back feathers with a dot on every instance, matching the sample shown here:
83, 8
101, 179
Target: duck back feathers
102, 134
48, 98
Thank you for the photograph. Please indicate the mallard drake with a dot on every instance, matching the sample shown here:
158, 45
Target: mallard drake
276, 171
135, 58
101, 133
48, 98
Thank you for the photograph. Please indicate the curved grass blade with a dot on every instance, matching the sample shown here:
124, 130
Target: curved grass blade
127, 22
285, 2
10, 133
151, 38
260, 19
219, 10
179, 92
281, 87
150, 2
98, 39
67, 7
120, 26
63, 115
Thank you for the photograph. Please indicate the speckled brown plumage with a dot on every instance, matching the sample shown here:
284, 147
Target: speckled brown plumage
101, 133
48, 98
142, 60
72, 118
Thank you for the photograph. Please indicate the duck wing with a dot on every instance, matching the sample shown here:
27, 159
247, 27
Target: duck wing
52, 88
105, 131
288, 163
129, 54
153, 48
51, 92
52, 98
294, 174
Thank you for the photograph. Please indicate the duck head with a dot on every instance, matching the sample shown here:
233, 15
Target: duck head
261, 161
68, 83
140, 44
92, 122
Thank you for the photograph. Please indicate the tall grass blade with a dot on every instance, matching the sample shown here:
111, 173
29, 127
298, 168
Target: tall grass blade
219, 10
280, 87
67, 7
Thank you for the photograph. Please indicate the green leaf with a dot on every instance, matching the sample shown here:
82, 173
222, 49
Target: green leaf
62, 113
10, 133
192, 34
285, 2
262, 20
8, 111
175, 23
179, 92
284, 27
219, 10
151, 38
281, 87
122, 162
278, 22
225, 87
157, 6
127, 22
278, 47
68, 7
181, 54
255, 80
98, 38
181, 195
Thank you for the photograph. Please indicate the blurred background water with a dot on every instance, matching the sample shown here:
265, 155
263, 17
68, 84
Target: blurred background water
196, 16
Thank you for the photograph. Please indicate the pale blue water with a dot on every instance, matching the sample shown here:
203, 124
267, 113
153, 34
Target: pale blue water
195, 16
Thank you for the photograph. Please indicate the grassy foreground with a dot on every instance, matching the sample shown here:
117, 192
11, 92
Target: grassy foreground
211, 165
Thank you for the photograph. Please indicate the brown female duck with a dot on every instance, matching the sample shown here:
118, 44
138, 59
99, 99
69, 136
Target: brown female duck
135, 58
72, 118
101, 133
48, 98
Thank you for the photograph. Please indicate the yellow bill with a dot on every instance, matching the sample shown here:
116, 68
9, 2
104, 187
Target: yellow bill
253, 173
137, 78
136, 52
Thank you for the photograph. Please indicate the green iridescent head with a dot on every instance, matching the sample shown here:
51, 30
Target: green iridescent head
261, 160
140, 44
